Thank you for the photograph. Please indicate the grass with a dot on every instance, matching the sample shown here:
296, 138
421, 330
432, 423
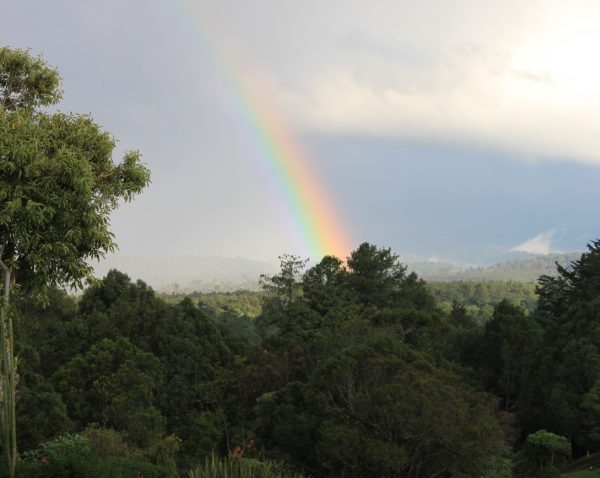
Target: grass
584, 467
215, 467
582, 474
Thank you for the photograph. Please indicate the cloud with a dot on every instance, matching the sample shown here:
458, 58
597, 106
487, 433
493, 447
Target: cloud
514, 75
540, 244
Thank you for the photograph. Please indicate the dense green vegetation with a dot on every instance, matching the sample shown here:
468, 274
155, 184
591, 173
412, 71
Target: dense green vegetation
220, 304
478, 296
349, 370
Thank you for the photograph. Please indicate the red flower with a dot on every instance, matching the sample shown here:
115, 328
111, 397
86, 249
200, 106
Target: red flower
44, 461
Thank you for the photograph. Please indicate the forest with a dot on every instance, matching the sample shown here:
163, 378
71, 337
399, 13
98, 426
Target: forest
353, 367
349, 369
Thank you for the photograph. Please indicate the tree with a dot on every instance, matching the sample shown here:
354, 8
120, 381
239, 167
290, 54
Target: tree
192, 352
58, 185
117, 307
323, 285
379, 282
561, 394
578, 283
115, 384
285, 287
381, 409
542, 451
283, 293
377, 275
505, 354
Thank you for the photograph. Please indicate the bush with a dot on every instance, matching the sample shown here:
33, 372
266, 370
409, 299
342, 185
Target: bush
64, 457
500, 468
71, 456
165, 451
540, 455
106, 443
130, 468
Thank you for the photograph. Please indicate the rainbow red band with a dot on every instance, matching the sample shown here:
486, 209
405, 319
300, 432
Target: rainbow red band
306, 199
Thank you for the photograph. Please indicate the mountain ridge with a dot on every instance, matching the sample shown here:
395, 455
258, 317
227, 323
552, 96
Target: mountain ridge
527, 269
183, 274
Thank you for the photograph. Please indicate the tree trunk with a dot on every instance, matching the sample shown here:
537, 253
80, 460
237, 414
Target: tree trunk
8, 374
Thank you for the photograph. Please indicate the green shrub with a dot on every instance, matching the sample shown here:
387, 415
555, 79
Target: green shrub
130, 468
71, 456
64, 457
500, 468
541, 454
164, 452
106, 442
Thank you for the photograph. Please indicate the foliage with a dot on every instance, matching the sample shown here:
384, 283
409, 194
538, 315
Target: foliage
376, 276
481, 296
193, 353
58, 185
164, 453
41, 411
561, 397
48, 333
506, 352
284, 285
542, 452
46, 336
360, 381
580, 282
67, 455
117, 307
71, 456
357, 372
482, 292
114, 383
382, 410
56, 175
500, 468
26, 82
240, 303
106, 442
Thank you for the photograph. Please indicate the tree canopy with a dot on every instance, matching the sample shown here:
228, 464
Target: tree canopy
58, 180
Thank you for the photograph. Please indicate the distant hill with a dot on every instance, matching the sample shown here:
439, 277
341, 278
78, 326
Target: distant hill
185, 274
525, 270
181, 274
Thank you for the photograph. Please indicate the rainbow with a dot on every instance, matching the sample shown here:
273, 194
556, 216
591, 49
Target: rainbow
311, 208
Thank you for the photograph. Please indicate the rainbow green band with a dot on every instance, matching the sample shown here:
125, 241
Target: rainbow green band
311, 208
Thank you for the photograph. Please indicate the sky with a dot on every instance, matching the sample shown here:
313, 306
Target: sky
461, 131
